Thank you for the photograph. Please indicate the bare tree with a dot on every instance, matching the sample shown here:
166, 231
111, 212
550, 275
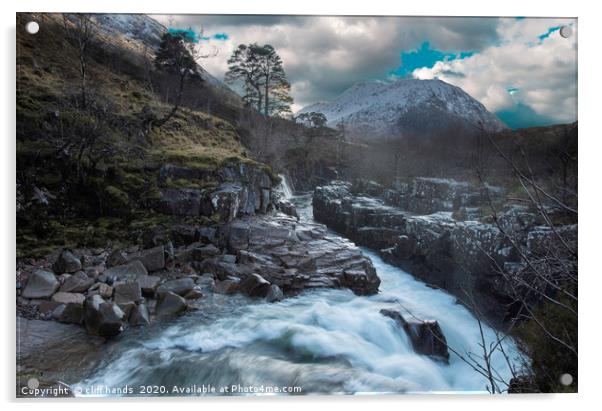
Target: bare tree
543, 285
80, 30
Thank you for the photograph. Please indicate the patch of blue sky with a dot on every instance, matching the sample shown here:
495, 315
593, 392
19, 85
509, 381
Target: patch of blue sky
521, 116
188, 34
194, 37
548, 33
221, 36
425, 56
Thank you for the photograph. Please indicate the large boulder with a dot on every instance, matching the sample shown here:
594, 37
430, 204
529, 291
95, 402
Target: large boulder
180, 286
103, 318
426, 336
153, 259
275, 294
77, 283
71, 313
40, 284
127, 293
227, 286
170, 304
70, 307
148, 284
139, 316
125, 272
255, 286
67, 263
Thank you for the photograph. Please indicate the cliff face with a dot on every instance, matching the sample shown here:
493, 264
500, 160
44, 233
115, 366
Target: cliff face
435, 230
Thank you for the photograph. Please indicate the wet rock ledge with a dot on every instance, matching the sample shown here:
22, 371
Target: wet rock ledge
438, 230
267, 257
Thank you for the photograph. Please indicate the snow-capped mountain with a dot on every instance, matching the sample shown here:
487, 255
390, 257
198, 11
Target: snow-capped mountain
406, 107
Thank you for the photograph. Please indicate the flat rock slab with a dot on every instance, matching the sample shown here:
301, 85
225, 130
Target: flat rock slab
292, 255
51, 351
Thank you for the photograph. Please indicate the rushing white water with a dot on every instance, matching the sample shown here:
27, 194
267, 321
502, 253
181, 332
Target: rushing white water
327, 341
285, 186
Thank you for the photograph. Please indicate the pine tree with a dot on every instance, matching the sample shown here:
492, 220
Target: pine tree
176, 55
260, 73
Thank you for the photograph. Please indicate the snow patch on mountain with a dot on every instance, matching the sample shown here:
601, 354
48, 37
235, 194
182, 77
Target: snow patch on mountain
406, 106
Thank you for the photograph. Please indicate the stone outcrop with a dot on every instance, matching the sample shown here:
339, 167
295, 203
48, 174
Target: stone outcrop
426, 336
431, 240
265, 257
292, 255
242, 189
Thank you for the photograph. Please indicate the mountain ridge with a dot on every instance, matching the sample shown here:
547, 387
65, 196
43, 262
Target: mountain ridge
406, 107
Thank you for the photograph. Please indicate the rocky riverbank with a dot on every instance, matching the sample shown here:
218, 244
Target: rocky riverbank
440, 231
271, 257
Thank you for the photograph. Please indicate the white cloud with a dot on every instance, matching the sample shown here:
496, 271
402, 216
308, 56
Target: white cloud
542, 70
325, 55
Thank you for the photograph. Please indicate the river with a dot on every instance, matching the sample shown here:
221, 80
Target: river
321, 341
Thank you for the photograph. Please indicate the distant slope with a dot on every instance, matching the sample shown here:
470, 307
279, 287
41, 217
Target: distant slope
146, 31
406, 107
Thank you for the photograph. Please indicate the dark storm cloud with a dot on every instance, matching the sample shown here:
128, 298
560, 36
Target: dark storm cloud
324, 55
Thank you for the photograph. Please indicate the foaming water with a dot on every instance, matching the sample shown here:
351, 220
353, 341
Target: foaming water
325, 341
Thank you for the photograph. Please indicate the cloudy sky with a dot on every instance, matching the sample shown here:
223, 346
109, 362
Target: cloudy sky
522, 69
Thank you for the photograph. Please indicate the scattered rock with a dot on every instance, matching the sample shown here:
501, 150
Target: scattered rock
255, 286
46, 307
170, 304
77, 283
103, 318
70, 313
228, 286
148, 284
139, 316
206, 282
206, 234
180, 286
128, 292
207, 251
116, 258
274, 294
68, 298
93, 272
152, 259
194, 294
67, 263
426, 336
130, 271
40, 284
102, 289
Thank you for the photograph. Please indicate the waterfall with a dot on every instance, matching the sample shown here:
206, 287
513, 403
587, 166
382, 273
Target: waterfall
285, 186
323, 340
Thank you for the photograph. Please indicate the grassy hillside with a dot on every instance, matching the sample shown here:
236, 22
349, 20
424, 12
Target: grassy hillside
96, 166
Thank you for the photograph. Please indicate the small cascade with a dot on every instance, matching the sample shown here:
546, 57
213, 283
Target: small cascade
285, 186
